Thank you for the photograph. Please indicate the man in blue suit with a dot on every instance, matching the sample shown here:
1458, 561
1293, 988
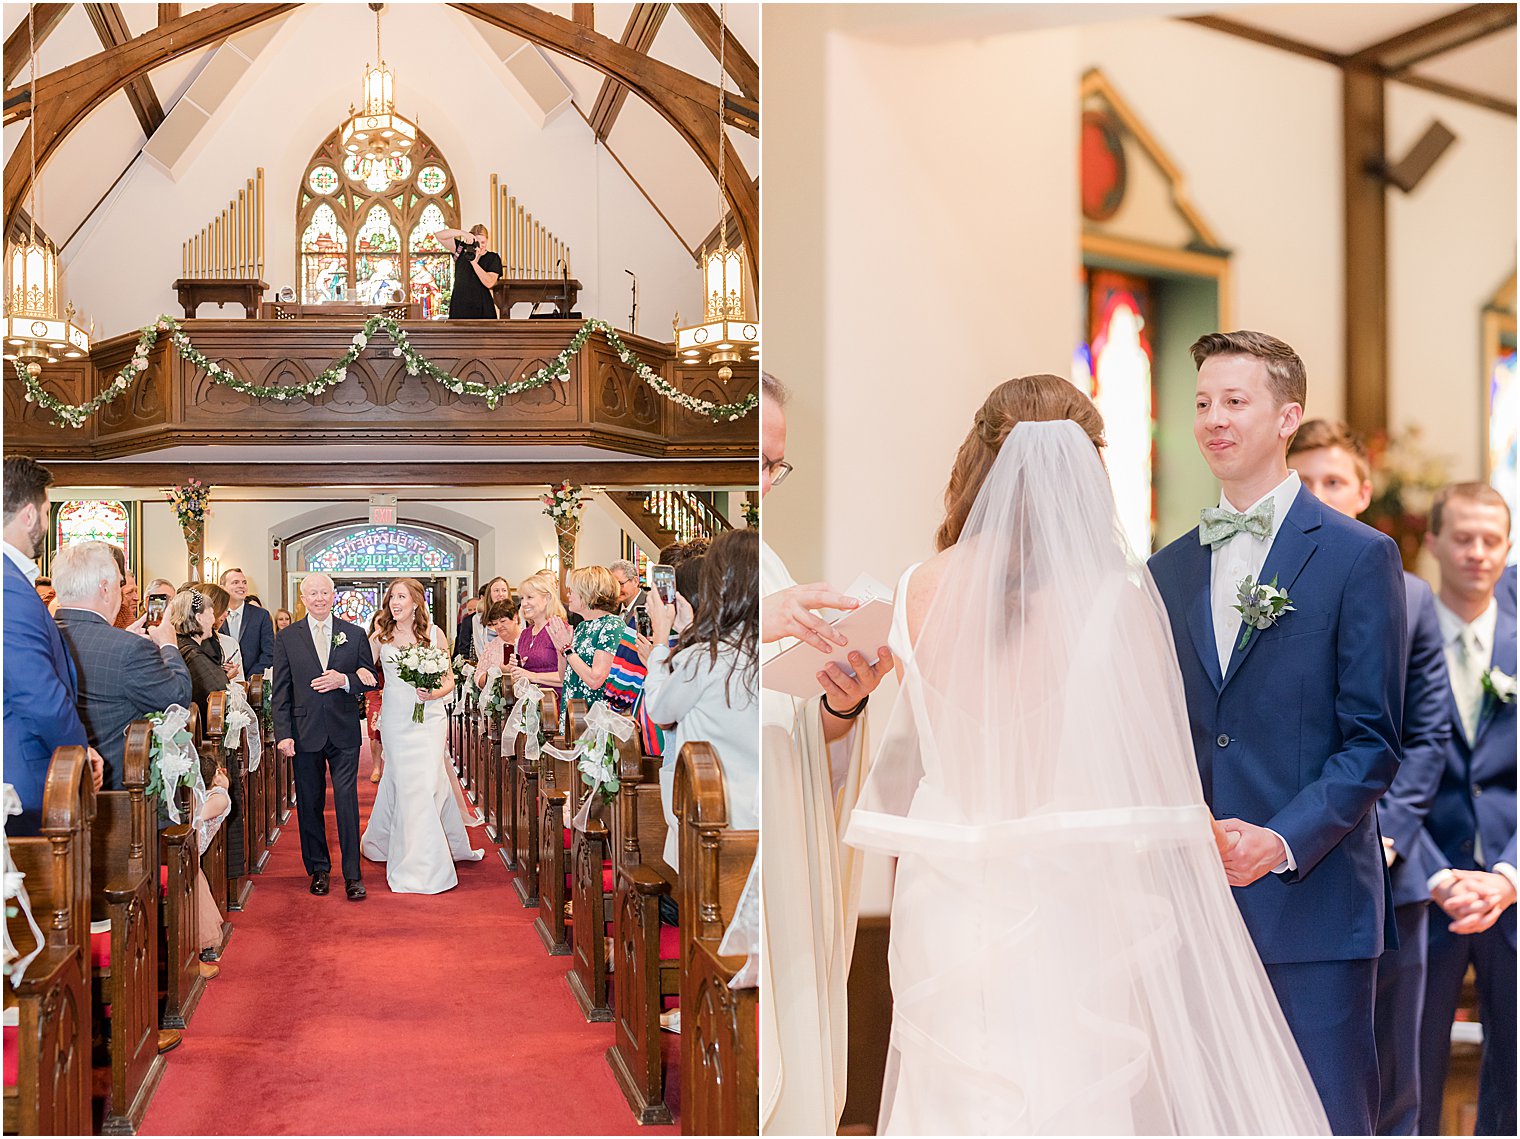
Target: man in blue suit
41, 687
1295, 716
249, 625
1335, 468
1469, 837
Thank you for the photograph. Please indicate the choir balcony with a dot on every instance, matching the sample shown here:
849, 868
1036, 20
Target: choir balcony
600, 409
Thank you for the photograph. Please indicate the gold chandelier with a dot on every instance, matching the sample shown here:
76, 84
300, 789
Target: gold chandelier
724, 335
376, 134
36, 333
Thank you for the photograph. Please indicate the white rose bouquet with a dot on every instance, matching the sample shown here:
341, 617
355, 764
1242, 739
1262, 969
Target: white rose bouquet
422, 666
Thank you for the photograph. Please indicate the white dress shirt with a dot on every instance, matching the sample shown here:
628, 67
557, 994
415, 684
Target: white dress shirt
321, 639
22, 563
1243, 556
235, 622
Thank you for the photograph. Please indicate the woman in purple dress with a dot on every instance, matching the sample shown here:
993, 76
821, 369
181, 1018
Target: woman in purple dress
537, 658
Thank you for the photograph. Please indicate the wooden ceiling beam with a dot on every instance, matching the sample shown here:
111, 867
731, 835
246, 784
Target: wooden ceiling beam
684, 101
112, 29
1266, 38
1448, 32
1451, 91
45, 18
64, 97
739, 64
584, 15
403, 473
167, 12
643, 25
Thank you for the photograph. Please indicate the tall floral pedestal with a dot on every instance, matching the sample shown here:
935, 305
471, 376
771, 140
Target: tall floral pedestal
565, 533
195, 543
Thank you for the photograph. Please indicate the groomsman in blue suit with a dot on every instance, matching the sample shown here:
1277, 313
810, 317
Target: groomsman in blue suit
249, 625
1334, 468
1295, 714
41, 686
1469, 836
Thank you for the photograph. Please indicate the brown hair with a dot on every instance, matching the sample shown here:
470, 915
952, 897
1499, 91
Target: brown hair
220, 599
184, 607
502, 611
1322, 434
1479, 492
596, 585
1027, 399
385, 624
1285, 371
479, 227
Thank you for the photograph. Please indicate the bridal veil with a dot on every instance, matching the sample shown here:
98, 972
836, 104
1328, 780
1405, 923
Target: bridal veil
1066, 956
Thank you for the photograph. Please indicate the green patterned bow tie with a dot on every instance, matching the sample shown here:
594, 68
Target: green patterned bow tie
1219, 525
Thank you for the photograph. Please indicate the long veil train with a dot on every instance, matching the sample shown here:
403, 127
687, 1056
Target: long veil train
1066, 956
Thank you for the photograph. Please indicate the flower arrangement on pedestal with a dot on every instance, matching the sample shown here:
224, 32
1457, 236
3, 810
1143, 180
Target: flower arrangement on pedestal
189, 502
564, 504
1405, 479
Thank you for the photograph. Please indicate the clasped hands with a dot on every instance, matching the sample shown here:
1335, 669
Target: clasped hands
1473, 899
1249, 852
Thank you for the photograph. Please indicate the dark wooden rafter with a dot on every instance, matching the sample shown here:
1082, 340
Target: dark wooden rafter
112, 29
644, 24
64, 97
633, 473
1366, 236
45, 18
584, 15
684, 101
739, 64
167, 12
1453, 30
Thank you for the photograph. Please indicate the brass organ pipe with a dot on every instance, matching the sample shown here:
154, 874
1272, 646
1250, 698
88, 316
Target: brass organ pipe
259, 225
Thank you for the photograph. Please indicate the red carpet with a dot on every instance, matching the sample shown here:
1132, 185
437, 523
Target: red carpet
402, 1014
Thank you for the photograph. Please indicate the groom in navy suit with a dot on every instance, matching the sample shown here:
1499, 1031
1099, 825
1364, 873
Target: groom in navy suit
1295, 715
317, 676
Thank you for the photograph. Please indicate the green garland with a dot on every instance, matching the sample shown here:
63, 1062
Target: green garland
75, 415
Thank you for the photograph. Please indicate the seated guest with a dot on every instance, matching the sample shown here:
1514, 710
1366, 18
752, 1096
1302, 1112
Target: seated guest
44, 587
503, 629
471, 637
708, 686
123, 673
193, 619
247, 623
40, 689
588, 649
282, 620
539, 660
1469, 836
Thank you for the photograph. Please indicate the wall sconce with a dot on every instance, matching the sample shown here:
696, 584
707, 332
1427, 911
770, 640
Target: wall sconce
213, 566
551, 562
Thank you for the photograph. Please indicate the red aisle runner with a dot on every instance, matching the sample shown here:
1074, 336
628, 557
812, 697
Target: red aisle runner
401, 1014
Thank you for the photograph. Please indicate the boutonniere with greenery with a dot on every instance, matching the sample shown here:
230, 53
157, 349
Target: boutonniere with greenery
1260, 606
340, 638
1499, 685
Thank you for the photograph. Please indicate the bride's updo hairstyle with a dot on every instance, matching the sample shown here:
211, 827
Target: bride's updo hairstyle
385, 623
1027, 399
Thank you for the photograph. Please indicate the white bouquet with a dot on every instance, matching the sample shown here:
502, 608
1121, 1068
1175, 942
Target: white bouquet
422, 666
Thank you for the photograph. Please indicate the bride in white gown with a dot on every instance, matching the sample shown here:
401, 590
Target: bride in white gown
1066, 957
416, 827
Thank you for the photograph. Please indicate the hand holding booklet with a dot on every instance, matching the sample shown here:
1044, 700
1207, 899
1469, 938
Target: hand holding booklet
795, 669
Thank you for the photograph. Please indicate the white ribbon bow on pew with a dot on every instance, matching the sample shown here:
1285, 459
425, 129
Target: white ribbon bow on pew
174, 758
240, 717
594, 755
15, 891
525, 717
743, 933
493, 674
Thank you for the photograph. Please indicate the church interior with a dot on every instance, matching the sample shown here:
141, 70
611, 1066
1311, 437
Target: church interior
977, 192
229, 340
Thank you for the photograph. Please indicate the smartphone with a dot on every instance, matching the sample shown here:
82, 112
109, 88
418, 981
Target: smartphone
641, 621
663, 578
156, 607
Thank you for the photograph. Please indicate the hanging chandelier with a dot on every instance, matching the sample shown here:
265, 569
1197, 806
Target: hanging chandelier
375, 134
724, 337
36, 333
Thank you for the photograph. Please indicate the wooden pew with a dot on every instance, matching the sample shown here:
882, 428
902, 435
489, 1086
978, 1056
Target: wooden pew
182, 984
720, 1092
234, 888
495, 776
51, 1044
557, 783
257, 786
125, 890
214, 860
525, 805
644, 975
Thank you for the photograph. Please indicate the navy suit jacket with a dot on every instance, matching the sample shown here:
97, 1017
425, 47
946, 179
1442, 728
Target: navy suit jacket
256, 639
1477, 791
41, 691
1427, 731
1301, 733
122, 677
316, 720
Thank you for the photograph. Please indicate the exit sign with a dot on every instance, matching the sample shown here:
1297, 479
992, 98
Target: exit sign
382, 510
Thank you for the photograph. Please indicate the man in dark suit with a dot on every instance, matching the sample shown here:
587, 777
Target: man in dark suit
40, 684
630, 594
123, 673
1295, 717
249, 625
1469, 837
1334, 467
317, 665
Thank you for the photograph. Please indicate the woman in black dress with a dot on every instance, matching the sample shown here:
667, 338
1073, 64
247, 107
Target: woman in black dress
476, 270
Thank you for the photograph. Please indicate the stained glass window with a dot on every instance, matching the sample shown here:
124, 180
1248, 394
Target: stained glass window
1118, 360
381, 549
1503, 413
93, 520
356, 603
360, 247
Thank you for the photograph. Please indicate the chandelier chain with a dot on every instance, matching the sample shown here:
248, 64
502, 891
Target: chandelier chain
722, 130
31, 127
